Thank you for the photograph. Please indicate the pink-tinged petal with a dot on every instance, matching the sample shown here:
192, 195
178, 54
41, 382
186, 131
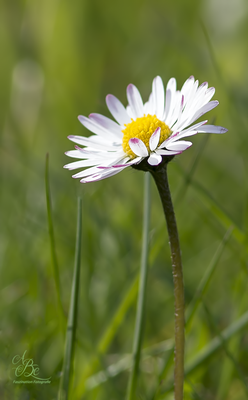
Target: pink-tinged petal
123, 162
95, 128
106, 123
87, 172
203, 85
108, 162
134, 161
212, 129
138, 147
209, 94
154, 139
158, 93
117, 110
99, 177
154, 159
203, 95
179, 146
135, 101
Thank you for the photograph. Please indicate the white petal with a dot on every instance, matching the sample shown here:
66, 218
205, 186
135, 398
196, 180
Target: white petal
138, 147
83, 163
203, 110
212, 129
88, 152
74, 154
95, 142
154, 139
135, 101
92, 159
154, 159
117, 109
167, 103
106, 123
158, 93
95, 128
130, 113
201, 97
187, 87
149, 106
192, 104
179, 146
172, 85
170, 96
176, 109
192, 130
167, 152
190, 90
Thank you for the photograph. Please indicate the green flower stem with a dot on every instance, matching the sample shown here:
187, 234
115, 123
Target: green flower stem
160, 177
141, 295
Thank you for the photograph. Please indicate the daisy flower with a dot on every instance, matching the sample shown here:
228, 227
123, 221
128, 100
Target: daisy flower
151, 130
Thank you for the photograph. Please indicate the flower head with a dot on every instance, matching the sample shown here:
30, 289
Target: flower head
151, 131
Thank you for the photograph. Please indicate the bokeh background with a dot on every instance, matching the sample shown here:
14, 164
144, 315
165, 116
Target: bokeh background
60, 59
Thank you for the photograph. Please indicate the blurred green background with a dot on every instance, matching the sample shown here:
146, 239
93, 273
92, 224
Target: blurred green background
58, 60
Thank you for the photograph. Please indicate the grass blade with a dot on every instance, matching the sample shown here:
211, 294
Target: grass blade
72, 318
219, 212
213, 346
226, 349
108, 335
203, 285
139, 325
124, 363
192, 307
53, 247
189, 175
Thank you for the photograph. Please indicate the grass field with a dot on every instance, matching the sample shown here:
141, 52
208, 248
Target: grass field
60, 59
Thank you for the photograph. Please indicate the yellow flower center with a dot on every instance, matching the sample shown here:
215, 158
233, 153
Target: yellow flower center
143, 128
